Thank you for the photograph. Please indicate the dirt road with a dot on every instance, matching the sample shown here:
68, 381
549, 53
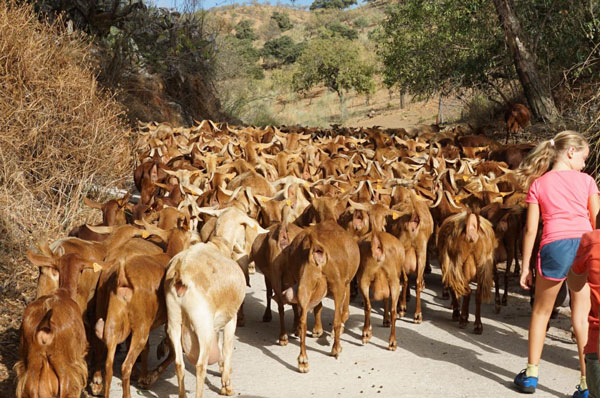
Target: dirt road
434, 359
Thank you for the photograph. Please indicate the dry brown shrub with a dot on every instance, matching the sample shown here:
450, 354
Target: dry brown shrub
60, 134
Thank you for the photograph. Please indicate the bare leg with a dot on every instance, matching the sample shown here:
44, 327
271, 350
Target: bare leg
580, 308
545, 295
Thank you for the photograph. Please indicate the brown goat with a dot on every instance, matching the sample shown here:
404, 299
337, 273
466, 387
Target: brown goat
466, 245
325, 258
381, 261
135, 307
516, 117
266, 250
53, 342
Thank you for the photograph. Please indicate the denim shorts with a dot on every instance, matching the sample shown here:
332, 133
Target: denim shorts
555, 258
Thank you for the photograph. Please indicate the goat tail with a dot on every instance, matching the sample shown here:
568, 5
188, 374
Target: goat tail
124, 287
453, 276
485, 279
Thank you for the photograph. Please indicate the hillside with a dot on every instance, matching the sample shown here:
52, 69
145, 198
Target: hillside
270, 99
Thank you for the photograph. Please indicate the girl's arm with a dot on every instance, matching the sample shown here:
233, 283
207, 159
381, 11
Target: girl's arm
529, 235
593, 208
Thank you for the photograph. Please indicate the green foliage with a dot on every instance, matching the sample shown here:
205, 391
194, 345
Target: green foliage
325, 4
449, 45
239, 59
283, 49
361, 22
430, 45
244, 30
283, 20
337, 29
336, 63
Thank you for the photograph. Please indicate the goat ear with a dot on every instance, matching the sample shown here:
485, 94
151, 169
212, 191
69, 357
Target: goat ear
377, 248
358, 221
318, 255
43, 334
92, 203
40, 260
124, 200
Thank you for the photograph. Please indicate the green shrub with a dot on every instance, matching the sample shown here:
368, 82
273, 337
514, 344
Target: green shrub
283, 20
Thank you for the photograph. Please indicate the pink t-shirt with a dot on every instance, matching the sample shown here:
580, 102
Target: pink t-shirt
563, 197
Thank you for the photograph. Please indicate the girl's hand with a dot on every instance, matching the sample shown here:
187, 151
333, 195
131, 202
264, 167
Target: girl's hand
526, 280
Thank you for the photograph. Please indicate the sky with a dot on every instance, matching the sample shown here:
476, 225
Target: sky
206, 4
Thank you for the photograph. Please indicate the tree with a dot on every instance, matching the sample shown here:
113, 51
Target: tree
283, 49
431, 46
538, 95
336, 28
283, 20
325, 4
244, 30
336, 63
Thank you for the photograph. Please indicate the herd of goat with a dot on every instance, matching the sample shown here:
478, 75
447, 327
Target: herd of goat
334, 212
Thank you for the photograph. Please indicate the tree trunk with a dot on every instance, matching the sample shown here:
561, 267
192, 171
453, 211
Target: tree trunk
402, 99
440, 116
539, 97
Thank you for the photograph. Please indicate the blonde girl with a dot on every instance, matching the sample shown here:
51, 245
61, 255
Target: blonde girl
567, 200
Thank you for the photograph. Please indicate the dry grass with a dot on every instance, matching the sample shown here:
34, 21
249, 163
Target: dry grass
60, 135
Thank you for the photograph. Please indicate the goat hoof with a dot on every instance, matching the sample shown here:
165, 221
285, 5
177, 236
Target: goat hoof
336, 351
316, 333
386, 323
393, 345
463, 323
96, 385
267, 317
251, 268
478, 329
145, 382
504, 300
302, 364
283, 340
418, 318
226, 390
497, 308
428, 269
455, 315
366, 335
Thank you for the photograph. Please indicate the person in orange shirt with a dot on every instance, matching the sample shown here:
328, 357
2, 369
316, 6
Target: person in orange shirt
586, 268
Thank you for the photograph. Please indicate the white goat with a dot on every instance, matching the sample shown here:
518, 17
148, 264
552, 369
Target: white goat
203, 289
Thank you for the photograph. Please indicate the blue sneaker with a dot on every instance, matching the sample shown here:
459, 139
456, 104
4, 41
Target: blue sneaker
579, 393
527, 384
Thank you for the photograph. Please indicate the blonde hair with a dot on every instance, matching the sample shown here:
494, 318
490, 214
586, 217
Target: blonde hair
544, 155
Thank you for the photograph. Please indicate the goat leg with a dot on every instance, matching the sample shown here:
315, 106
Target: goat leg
267, 316
303, 358
418, 318
151, 377
394, 293
139, 338
402, 301
497, 293
318, 328
455, 307
478, 325
387, 313
367, 329
283, 337
226, 353
464, 313
338, 300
